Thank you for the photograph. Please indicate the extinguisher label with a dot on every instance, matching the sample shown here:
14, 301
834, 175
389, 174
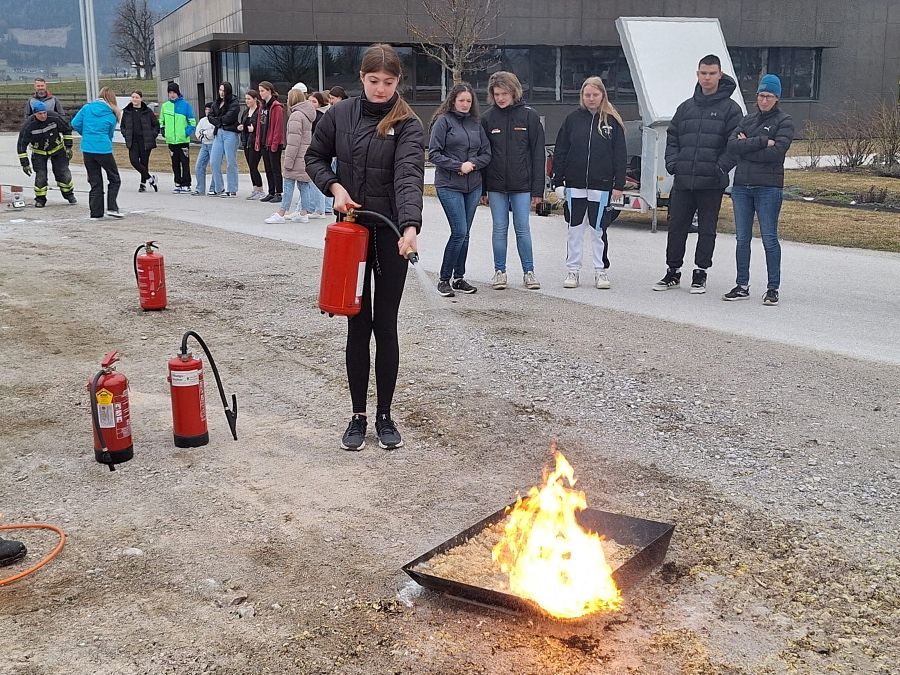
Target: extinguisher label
106, 415
185, 378
360, 278
104, 397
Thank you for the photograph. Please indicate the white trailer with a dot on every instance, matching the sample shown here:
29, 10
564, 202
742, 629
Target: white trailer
662, 54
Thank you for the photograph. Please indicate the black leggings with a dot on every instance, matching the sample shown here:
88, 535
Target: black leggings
272, 162
96, 163
253, 156
378, 317
140, 160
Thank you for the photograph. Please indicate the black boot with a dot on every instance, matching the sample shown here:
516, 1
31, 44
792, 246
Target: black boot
11, 551
40, 202
70, 197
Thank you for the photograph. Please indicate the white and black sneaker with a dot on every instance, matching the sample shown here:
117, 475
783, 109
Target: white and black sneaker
153, 183
698, 282
771, 297
355, 436
737, 293
671, 280
388, 436
444, 289
463, 286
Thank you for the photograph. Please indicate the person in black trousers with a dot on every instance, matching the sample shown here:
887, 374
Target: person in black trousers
96, 122
696, 154
380, 148
140, 129
271, 139
248, 127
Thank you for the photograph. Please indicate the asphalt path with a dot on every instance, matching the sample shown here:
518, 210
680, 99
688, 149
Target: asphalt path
839, 300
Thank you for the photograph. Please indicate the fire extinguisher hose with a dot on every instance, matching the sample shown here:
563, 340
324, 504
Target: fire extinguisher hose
136, 251
46, 559
230, 413
95, 417
413, 257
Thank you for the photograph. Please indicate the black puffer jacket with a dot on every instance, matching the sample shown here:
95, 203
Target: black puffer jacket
697, 137
385, 175
589, 154
225, 113
139, 125
517, 150
758, 163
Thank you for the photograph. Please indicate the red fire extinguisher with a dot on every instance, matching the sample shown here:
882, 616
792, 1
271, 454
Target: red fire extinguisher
110, 414
344, 263
188, 399
150, 274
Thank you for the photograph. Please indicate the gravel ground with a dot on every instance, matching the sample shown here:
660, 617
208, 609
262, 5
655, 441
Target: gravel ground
280, 553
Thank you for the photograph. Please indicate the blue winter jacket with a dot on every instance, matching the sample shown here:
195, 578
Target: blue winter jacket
96, 122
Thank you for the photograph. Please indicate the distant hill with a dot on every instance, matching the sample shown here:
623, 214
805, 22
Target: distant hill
44, 34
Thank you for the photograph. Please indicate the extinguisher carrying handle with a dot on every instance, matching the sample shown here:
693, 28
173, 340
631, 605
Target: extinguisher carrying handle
230, 413
413, 257
105, 458
150, 245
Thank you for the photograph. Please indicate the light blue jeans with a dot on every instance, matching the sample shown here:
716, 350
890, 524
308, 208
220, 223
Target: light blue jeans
308, 199
459, 207
766, 203
520, 202
200, 167
225, 146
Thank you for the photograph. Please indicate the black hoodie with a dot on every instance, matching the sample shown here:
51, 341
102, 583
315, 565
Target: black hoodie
697, 138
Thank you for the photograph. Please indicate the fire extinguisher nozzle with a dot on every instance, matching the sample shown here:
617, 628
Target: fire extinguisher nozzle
413, 257
231, 416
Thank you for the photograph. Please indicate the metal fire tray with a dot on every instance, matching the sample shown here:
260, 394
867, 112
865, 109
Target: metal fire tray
650, 536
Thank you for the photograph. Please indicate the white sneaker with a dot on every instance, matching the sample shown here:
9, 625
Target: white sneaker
571, 280
275, 219
499, 280
115, 214
601, 280
298, 217
316, 214
530, 281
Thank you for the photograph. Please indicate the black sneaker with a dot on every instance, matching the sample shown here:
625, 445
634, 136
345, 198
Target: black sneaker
671, 280
142, 188
355, 436
737, 293
698, 282
771, 297
268, 198
40, 202
463, 286
153, 183
445, 290
388, 436
11, 551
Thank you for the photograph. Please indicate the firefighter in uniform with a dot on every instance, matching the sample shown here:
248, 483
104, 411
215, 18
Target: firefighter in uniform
50, 138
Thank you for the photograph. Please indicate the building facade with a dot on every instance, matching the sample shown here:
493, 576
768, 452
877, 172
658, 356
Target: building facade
828, 53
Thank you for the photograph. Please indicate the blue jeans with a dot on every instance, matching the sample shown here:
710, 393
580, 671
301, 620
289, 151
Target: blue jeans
308, 199
200, 167
521, 207
459, 207
225, 145
766, 203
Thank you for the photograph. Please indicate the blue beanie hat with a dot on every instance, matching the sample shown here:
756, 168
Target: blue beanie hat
769, 84
38, 106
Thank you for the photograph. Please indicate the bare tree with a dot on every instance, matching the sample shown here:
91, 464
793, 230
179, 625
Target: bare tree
887, 134
288, 63
458, 37
132, 36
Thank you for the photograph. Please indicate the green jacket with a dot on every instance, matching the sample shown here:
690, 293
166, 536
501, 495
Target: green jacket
176, 121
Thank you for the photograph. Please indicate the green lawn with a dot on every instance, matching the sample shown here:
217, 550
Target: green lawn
122, 87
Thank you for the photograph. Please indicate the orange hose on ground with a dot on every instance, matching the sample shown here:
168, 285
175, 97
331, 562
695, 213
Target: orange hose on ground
39, 565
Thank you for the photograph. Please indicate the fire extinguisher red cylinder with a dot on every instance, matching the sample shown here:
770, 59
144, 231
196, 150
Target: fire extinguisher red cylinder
150, 270
188, 401
343, 268
114, 416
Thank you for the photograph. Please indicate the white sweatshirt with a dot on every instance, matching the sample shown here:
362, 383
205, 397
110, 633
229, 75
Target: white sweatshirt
205, 131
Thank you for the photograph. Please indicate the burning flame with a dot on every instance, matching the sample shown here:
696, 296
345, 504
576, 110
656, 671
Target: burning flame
549, 557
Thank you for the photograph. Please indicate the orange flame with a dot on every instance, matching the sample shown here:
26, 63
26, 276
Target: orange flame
549, 557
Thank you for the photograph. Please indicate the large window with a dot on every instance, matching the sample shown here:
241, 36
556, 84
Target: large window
285, 65
428, 79
534, 66
233, 66
608, 63
340, 66
797, 67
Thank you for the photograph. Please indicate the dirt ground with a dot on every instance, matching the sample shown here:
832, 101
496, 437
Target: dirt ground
280, 553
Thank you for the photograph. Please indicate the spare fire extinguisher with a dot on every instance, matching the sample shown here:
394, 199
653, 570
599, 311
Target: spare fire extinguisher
150, 274
344, 263
110, 414
188, 399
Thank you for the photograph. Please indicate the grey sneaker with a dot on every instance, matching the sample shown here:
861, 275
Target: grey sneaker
771, 297
601, 280
571, 280
698, 282
531, 281
671, 280
355, 436
115, 214
499, 280
444, 289
388, 436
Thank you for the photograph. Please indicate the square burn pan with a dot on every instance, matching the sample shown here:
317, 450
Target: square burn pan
650, 536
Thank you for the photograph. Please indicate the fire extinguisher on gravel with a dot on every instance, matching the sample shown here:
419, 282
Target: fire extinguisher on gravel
110, 414
150, 274
188, 399
344, 263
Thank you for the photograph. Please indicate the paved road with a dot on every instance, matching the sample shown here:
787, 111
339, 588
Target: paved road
840, 300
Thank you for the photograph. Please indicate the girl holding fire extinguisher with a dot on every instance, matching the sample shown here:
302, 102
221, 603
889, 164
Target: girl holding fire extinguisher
379, 145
